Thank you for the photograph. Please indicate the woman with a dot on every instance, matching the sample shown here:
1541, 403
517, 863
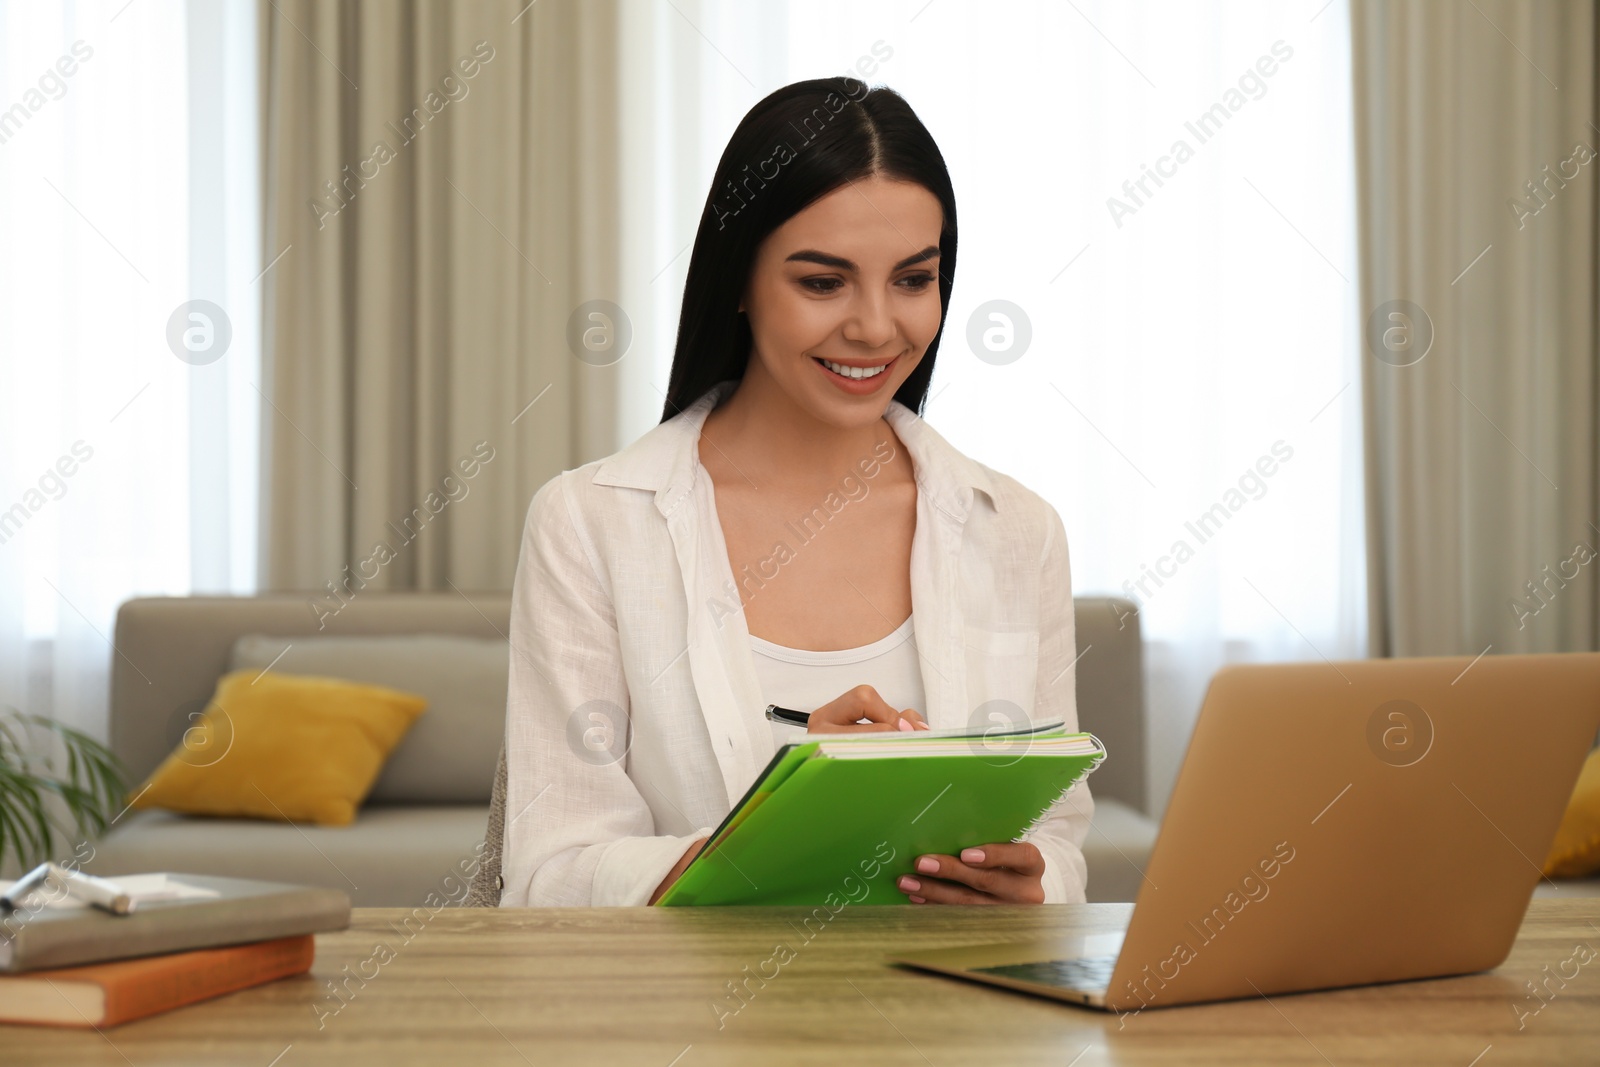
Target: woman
792, 533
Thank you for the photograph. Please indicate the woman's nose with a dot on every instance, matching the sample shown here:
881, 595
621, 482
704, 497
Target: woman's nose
870, 322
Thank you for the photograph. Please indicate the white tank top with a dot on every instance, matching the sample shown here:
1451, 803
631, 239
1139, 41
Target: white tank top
804, 679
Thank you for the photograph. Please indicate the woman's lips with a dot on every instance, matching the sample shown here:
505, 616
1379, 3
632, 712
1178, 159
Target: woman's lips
857, 386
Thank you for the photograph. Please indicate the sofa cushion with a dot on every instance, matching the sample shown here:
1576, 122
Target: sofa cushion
283, 746
1576, 851
392, 856
449, 755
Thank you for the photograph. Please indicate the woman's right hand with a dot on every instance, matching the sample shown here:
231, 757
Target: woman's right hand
844, 715
678, 868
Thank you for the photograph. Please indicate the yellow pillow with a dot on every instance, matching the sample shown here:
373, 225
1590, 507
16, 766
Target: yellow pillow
1576, 852
281, 746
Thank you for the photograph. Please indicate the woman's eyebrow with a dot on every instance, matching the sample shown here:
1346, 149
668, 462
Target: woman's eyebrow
811, 255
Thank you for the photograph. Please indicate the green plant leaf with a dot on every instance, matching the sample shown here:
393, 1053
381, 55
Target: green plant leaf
91, 790
28, 826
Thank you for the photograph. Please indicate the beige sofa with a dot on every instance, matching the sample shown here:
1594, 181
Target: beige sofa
425, 821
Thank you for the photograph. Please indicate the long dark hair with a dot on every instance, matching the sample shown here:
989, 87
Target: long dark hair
817, 135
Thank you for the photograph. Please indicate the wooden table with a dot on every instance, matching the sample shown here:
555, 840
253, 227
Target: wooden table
637, 986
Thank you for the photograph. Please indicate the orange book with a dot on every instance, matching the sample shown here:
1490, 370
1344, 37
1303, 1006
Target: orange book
105, 994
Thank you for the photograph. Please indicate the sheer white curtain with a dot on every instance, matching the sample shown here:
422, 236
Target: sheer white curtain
1194, 344
128, 187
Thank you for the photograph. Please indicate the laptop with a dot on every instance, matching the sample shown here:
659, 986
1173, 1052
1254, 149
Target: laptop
1334, 824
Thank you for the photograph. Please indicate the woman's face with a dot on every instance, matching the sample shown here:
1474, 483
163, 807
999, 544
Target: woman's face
852, 280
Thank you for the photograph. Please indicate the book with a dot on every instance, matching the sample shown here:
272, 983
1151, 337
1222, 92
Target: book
171, 913
105, 994
840, 818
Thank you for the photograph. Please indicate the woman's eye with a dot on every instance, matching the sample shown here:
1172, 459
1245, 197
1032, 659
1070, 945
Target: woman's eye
915, 283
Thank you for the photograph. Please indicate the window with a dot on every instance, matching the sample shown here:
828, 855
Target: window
128, 417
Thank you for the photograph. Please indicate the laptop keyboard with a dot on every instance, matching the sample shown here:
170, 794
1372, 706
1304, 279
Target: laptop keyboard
1088, 973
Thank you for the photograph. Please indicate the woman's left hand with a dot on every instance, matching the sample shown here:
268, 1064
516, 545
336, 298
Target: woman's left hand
1009, 872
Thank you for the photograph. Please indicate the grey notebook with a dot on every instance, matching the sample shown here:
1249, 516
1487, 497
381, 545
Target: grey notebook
171, 913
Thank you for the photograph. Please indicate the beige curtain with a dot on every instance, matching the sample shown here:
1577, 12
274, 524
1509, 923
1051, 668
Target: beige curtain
441, 189
1475, 139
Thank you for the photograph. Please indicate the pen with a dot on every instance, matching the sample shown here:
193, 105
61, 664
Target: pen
103, 894
787, 715
12, 898
793, 718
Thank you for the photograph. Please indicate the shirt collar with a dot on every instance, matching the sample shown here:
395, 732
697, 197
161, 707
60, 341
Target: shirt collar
664, 458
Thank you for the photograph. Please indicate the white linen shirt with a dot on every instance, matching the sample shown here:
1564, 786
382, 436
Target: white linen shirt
634, 717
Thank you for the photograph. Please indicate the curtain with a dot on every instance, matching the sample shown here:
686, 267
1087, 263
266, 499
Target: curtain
442, 188
1476, 149
128, 318
1184, 338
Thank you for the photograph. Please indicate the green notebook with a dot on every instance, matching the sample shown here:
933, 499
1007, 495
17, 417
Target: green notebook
841, 818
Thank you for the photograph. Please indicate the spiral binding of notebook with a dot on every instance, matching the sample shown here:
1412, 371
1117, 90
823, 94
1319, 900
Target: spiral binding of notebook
1050, 808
